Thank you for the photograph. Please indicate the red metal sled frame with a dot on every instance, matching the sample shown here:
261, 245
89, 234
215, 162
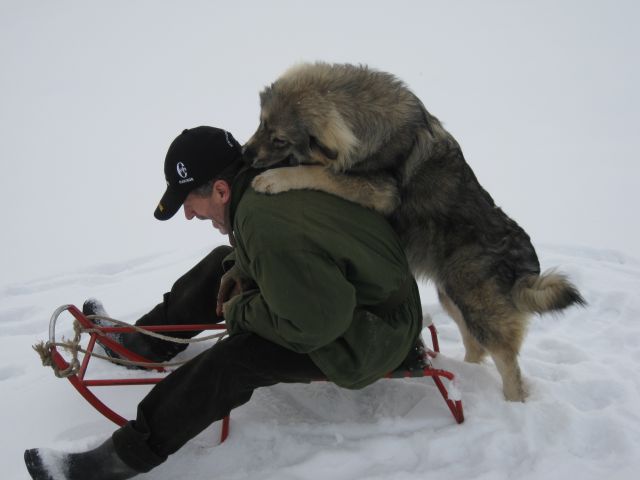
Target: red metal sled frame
82, 384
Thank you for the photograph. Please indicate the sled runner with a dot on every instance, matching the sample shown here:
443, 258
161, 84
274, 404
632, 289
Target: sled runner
75, 368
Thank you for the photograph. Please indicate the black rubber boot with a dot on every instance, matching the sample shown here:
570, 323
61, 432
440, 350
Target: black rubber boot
417, 357
93, 306
101, 463
152, 349
135, 342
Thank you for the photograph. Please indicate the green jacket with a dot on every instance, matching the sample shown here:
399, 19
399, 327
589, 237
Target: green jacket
321, 264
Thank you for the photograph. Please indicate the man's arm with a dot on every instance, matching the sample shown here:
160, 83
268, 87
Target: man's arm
232, 283
304, 301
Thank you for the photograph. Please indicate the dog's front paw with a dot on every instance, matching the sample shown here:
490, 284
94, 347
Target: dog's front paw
272, 181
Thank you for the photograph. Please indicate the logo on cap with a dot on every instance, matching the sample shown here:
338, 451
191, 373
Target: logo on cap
182, 170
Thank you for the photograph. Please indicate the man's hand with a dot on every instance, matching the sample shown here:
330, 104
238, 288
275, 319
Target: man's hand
227, 305
231, 284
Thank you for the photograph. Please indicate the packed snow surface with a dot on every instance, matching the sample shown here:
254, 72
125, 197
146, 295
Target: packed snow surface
581, 368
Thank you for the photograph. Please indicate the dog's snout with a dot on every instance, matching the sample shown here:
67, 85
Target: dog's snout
260, 163
255, 156
248, 153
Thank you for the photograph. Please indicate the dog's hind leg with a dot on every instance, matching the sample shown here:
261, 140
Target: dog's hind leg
504, 331
507, 364
474, 351
495, 326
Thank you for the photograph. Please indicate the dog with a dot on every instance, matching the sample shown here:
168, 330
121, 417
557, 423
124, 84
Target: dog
363, 135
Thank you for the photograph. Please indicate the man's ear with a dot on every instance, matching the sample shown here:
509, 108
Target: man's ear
222, 190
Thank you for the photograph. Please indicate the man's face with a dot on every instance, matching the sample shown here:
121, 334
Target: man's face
211, 208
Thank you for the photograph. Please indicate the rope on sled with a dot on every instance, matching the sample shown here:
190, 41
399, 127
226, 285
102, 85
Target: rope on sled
143, 331
73, 346
44, 350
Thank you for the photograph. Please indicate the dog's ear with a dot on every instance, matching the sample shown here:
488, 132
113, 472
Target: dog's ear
314, 144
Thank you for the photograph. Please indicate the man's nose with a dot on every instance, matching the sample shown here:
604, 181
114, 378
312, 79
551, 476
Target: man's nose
188, 212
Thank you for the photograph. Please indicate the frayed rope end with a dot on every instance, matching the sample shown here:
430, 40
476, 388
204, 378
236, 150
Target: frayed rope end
44, 351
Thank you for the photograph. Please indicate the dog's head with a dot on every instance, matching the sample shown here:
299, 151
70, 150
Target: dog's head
296, 128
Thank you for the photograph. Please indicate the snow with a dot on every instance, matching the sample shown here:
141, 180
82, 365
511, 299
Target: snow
542, 97
581, 369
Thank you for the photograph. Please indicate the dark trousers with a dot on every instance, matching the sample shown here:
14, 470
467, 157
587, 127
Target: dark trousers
210, 385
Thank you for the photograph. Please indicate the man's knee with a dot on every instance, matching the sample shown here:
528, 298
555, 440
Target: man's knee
221, 251
206, 272
213, 260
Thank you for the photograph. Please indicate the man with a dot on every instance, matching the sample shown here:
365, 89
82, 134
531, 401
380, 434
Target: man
321, 288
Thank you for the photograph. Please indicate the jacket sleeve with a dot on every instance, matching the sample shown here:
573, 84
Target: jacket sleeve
229, 261
304, 301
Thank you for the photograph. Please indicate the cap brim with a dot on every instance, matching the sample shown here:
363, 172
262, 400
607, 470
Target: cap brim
169, 204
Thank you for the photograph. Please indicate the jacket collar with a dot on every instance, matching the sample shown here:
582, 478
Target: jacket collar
239, 186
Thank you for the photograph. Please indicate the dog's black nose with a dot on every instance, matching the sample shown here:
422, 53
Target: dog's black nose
248, 153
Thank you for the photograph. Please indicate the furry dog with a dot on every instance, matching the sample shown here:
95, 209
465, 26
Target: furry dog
363, 135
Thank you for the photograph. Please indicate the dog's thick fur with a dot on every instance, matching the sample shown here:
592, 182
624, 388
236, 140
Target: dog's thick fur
369, 139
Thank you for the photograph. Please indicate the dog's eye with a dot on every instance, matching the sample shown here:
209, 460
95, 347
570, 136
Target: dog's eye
279, 142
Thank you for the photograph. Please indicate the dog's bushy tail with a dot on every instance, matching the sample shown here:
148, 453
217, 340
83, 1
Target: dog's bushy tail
548, 292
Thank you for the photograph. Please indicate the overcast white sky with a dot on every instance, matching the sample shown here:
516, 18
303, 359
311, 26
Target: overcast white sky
542, 96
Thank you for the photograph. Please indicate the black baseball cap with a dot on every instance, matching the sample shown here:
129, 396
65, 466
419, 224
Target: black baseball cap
196, 156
